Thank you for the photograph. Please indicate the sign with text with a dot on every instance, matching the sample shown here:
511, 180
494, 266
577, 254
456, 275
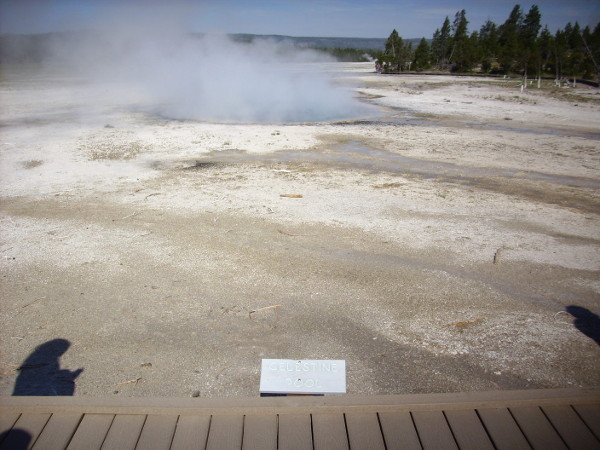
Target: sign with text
307, 376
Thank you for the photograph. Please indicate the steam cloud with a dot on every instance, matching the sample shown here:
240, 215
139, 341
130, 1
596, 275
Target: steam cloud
208, 77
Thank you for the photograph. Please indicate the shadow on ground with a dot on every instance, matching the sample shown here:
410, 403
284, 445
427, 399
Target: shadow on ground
40, 373
15, 439
586, 321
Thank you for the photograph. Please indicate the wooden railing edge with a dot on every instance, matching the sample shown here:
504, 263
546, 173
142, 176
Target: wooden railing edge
300, 404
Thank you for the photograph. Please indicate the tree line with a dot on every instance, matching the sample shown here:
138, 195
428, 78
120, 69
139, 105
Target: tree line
518, 46
347, 54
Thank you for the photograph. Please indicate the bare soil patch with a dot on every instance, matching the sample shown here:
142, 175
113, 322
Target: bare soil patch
434, 248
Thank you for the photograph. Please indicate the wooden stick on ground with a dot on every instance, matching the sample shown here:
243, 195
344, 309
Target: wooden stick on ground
275, 307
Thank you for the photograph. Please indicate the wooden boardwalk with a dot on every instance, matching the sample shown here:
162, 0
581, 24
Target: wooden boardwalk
541, 419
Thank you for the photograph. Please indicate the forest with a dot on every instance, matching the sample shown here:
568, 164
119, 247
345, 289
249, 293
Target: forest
518, 46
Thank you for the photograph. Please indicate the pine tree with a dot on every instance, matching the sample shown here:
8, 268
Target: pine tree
461, 55
531, 25
575, 52
594, 46
509, 39
435, 47
560, 52
528, 33
591, 42
475, 55
545, 47
422, 59
488, 44
408, 56
393, 54
441, 44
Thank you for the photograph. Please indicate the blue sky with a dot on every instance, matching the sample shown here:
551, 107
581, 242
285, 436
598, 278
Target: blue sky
344, 18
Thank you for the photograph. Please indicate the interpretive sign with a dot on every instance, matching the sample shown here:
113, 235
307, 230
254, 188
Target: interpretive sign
307, 376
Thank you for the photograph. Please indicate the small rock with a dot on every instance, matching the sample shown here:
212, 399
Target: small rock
196, 394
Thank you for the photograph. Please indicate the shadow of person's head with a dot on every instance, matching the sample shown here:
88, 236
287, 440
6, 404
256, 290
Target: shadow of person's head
15, 439
53, 349
586, 321
40, 373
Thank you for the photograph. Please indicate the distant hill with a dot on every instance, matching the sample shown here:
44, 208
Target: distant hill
317, 42
324, 42
33, 47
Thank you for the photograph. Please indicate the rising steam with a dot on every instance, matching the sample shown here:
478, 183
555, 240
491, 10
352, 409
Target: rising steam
208, 77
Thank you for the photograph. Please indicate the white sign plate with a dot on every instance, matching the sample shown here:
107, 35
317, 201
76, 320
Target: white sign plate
307, 376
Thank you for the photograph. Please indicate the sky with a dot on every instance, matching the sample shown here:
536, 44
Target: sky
326, 18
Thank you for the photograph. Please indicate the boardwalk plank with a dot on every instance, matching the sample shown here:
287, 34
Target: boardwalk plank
124, 432
399, 431
364, 431
503, 429
591, 416
157, 432
26, 429
191, 432
537, 429
433, 430
329, 431
91, 432
295, 432
260, 432
7, 420
468, 429
225, 432
571, 428
58, 431
511, 419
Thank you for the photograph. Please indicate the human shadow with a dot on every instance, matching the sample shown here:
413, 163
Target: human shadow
40, 373
586, 321
15, 439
